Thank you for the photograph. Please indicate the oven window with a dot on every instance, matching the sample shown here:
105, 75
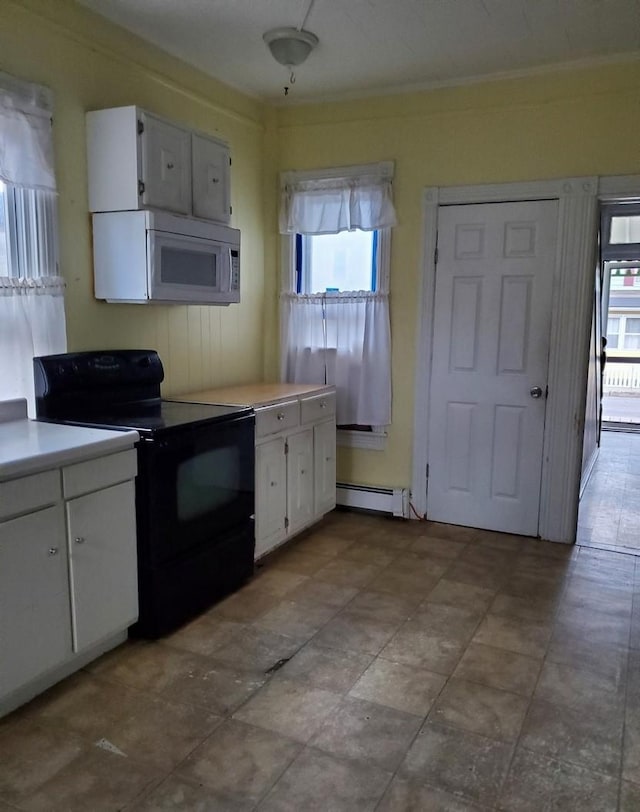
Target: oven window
183, 267
207, 482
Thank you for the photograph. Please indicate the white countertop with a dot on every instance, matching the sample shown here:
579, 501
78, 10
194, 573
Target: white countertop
28, 446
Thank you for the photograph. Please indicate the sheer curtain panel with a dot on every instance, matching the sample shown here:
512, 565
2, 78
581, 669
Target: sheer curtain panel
31, 291
345, 340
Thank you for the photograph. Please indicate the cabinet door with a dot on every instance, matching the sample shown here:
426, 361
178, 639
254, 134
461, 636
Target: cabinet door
35, 627
166, 165
300, 479
103, 563
271, 494
324, 462
210, 179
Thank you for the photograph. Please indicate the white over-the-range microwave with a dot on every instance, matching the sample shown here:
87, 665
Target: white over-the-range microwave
153, 256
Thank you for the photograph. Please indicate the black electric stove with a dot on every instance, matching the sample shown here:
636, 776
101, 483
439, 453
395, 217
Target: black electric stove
195, 483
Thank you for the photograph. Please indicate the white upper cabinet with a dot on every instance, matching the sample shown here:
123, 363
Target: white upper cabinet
137, 160
210, 179
166, 165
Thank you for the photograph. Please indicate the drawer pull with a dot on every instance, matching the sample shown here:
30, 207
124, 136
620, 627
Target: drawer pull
79, 539
280, 416
53, 551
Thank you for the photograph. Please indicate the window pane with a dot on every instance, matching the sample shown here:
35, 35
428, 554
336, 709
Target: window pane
338, 262
4, 264
633, 325
613, 328
625, 229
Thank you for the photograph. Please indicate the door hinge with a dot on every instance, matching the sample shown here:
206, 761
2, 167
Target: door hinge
286, 446
435, 256
140, 126
286, 522
229, 160
427, 470
140, 187
546, 391
230, 209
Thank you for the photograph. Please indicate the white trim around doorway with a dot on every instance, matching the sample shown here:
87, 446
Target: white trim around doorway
568, 359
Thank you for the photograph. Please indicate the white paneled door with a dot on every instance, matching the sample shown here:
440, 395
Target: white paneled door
494, 283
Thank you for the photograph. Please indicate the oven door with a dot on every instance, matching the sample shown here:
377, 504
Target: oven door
194, 487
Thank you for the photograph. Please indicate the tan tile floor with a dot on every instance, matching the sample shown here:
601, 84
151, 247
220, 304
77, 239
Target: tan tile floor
609, 515
373, 664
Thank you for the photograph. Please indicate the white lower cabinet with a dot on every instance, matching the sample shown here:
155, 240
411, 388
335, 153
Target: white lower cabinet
68, 571
295, 467
324, 461
102, 563
300, 508
35, 634
271, 494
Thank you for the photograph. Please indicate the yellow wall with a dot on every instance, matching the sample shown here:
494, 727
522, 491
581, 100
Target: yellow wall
558, 125
90, 64
583, 122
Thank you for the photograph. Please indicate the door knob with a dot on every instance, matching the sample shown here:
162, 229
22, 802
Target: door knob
536, 392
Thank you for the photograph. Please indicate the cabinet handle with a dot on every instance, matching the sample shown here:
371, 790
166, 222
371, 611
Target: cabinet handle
323, 405
79, 539
53, 551
215, 180
273, 484
170, 166
280, 416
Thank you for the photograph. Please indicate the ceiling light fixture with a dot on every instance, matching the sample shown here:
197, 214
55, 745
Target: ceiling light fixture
291, 46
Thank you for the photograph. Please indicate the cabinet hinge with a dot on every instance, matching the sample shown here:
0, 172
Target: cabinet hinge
286, 522
140, 187
286, 446
229, 160
140, 126
230, 209
427, 470
435, 253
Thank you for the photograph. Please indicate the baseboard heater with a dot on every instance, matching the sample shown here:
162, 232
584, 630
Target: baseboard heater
383, 500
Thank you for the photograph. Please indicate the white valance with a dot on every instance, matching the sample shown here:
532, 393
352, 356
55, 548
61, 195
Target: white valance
337, 200
26, 143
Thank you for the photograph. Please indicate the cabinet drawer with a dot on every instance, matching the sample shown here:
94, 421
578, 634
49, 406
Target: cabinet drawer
317, 407
92, 475
29, 493
271, 419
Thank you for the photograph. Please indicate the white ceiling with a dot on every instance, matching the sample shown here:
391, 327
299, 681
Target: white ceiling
371, 46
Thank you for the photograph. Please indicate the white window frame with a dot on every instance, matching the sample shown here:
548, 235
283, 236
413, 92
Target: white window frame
376, 439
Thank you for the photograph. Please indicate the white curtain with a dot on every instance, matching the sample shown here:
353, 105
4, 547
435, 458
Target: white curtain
344, 340
31, 323
32, 318
341, 202
26, 145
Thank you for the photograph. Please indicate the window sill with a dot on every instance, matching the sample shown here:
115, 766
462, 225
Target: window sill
373, 440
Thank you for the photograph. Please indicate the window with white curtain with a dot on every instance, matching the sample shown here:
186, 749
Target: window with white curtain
31, 289
335, 300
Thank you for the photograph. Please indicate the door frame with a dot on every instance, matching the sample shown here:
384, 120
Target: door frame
570, 330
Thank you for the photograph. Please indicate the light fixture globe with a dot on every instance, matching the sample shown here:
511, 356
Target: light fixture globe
290, 46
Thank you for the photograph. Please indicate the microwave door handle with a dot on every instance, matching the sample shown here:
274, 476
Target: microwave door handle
227, 270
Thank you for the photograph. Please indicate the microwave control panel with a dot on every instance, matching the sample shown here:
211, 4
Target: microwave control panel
235, 270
